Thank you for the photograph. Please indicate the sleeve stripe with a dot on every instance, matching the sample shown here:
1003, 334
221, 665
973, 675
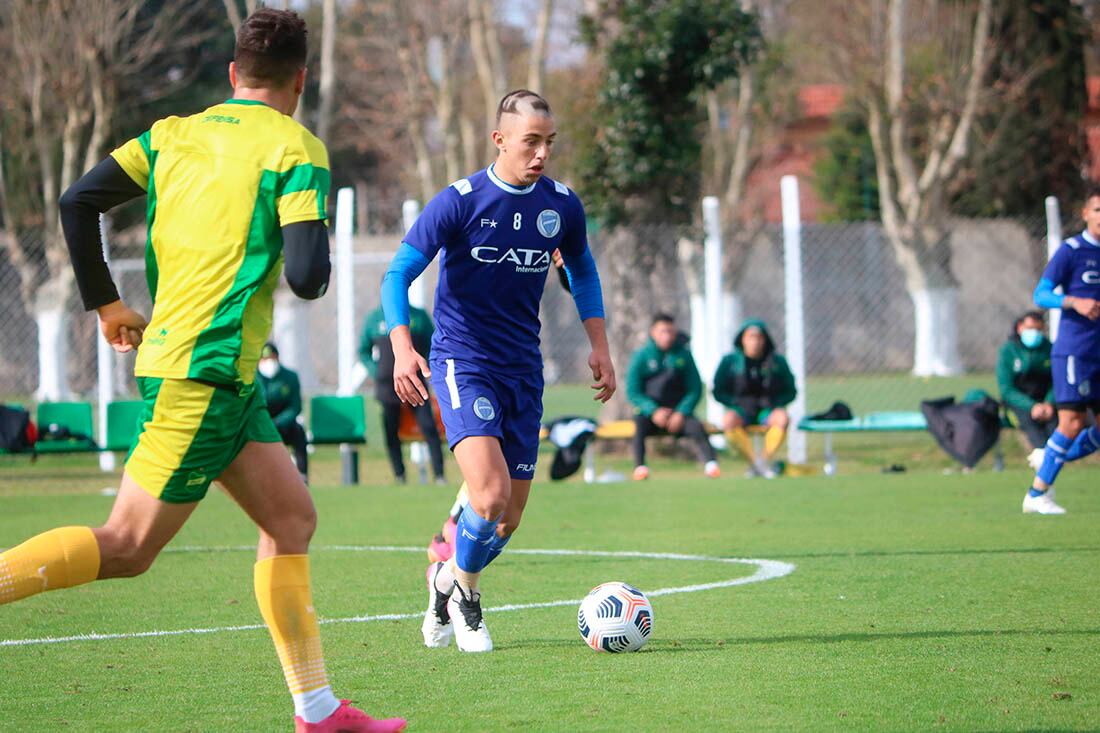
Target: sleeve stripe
305, 177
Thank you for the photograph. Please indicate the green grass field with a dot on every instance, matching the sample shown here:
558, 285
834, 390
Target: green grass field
917, 601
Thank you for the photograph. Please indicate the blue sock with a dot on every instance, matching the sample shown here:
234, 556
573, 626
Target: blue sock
1085, 445
496, 547
1053, 458
473, 539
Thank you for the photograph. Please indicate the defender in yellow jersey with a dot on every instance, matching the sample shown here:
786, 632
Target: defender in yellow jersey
236, 195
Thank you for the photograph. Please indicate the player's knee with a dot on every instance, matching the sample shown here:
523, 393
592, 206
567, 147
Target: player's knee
1071, 423
732, 420
779, 419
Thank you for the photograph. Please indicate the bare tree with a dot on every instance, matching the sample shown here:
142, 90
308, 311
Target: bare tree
71, 60
327, 87
536, 62
911, 194
233, 11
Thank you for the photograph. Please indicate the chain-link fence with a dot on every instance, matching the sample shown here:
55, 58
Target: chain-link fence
860, 314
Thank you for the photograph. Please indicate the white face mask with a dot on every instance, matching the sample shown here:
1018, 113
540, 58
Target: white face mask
269, 367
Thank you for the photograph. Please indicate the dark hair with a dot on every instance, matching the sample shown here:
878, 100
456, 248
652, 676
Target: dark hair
271, 47
510, 103
1037, 315
1092, 190
662, 318
269, 349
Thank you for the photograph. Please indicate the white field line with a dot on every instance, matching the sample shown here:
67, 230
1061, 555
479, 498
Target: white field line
765, 570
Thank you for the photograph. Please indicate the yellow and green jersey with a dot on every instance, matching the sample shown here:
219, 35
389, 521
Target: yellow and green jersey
220, 186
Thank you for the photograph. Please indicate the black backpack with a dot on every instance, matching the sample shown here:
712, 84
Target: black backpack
17, 432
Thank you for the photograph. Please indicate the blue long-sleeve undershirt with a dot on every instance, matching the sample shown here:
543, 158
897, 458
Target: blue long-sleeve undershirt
584, 283
405, 267
1045, 297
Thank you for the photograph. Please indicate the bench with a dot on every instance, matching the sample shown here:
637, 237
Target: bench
342, 421
76, 417
874, 422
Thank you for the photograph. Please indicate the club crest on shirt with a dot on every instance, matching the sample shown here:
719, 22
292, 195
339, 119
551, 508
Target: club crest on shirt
548, 223
483, 408
1084, 388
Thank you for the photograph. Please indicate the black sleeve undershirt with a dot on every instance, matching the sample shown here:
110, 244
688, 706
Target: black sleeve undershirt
100, 189
305, 258
305, 244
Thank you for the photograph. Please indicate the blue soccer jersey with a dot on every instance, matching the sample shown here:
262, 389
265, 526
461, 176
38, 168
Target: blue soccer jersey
496, 241
1076, 267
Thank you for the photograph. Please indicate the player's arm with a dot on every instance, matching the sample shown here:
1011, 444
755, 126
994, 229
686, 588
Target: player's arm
301, 197
437, 224
306, 263
1055, 274
584, 284
788, 389
102, 188
293, 407
407, 265
635, 391
721, 382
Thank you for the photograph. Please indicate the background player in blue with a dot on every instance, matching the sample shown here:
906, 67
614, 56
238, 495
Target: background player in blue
1075, 358
497, 230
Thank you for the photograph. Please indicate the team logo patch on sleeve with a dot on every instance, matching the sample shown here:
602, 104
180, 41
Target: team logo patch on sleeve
548, 223
483, 408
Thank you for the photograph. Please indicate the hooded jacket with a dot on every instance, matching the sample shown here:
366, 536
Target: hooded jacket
730, 379
376, 351
1023, 374
658, 378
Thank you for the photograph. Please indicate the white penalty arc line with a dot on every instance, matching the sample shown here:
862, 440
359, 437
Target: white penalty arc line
765, 570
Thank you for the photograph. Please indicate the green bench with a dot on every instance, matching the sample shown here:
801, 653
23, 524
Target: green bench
76, 417
340, 421
872, 422
123, 424
878, 422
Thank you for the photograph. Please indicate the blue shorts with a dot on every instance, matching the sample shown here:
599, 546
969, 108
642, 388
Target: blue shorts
473, 401
1076, 381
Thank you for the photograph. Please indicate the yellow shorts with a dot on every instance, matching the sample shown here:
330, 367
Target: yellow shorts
190, 432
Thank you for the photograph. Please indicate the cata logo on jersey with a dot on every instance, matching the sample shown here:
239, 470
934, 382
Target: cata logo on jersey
525, 260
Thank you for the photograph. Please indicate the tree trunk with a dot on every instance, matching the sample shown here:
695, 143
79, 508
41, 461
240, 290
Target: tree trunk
926, 261
536, 65
327, 88
642, 263
51, 317
291, 333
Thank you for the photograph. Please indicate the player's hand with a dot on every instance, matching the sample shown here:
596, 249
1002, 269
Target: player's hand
1042, 411
660, 417
1087, 307
408, 365
122, 327
559, 261
603, 371
675, 423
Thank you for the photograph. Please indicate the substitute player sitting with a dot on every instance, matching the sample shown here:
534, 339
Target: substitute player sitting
232, 191
1075, 358
497, 230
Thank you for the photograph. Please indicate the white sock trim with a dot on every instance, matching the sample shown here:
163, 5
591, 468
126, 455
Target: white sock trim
315, 705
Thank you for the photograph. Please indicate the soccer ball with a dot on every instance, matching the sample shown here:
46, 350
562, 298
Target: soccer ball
615, 617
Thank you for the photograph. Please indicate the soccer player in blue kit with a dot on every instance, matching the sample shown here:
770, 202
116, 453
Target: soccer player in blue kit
497, 229
1075, 358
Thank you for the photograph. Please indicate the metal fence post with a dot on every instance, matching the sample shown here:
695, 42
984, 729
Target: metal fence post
794, 317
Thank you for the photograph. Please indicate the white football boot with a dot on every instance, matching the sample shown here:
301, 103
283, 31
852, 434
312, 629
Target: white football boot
470, 631
437, 626
1042, 504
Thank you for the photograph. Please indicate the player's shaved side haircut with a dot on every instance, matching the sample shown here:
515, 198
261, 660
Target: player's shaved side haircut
522, 101
271, 47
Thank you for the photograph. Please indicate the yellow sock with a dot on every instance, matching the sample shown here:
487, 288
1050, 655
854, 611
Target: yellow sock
60, 558
773, 439
283, 593
740, 439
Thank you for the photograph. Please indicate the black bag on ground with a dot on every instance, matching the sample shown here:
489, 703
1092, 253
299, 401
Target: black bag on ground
570, 436
965, 430
839, 411
16, 430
